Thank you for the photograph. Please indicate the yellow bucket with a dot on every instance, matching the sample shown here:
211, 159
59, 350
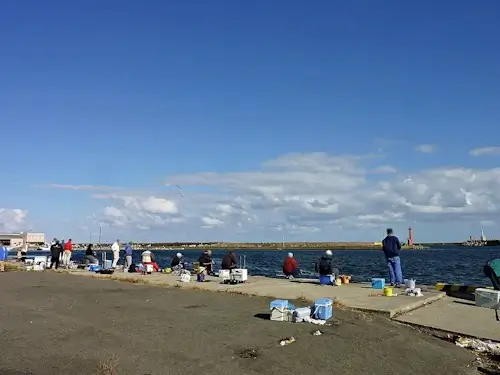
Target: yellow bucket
388, 292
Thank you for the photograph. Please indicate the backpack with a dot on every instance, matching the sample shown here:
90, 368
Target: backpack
132, 268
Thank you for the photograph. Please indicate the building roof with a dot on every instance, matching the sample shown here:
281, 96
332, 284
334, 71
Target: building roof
11, 235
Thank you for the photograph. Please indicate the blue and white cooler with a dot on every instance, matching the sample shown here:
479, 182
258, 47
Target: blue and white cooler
378, 283
280, 311
323, 309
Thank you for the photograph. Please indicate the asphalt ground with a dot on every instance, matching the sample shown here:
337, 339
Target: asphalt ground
53, 323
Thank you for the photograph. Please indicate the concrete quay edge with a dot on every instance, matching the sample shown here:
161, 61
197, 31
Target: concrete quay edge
271, 288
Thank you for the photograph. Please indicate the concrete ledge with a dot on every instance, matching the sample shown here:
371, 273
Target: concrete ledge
357, 296
458, 288
456, 316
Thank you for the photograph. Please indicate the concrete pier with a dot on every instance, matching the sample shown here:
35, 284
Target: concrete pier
359, 296
435, 310
456, 316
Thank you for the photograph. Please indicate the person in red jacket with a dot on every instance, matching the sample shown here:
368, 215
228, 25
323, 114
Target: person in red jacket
68, 248
290, 267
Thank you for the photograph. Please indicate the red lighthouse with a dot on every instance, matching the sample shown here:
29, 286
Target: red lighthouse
410, 237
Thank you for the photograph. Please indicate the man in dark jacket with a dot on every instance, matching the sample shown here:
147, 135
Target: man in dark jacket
229, 261
55, 252
176, 261
205, 260
391, 247
90, 257
325, 267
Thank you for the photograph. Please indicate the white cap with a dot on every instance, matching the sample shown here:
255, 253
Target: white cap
179, 255
328, 252
290, 255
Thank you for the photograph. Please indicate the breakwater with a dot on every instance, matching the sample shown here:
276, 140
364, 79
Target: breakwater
449, 264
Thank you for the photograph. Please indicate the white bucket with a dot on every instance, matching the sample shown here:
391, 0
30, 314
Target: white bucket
410, 283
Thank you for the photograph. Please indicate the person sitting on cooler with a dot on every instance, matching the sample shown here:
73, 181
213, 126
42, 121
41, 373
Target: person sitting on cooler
325, 267
148, 259
205, 260
176, 262
290, 267
229, 261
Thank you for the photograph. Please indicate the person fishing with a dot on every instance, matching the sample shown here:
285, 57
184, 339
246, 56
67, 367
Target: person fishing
325, 266
55, 254
176, 263
149, 259
115, 248
90, 256
4, 254
290, 267
229, 261
24, 252
205, 260
391, 246
128, 255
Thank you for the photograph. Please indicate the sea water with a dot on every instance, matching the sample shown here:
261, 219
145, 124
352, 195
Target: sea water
450, 264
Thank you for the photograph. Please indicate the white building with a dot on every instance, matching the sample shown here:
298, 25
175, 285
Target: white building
19, 239
34, 237
12, 239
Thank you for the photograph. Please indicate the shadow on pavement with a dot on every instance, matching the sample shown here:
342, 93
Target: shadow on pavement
260, 316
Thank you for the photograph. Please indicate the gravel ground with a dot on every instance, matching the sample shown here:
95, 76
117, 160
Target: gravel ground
61, 324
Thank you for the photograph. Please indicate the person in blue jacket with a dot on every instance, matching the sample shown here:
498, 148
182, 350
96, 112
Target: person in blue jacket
391, 247
4, 253
128, 255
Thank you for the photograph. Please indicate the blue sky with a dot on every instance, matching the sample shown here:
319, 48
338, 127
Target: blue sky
105, 100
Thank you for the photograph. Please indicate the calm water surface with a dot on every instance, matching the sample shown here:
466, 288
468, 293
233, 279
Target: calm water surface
450, 264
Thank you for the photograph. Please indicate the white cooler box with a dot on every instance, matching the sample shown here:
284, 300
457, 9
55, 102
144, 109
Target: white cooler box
301, 313
488, 298
281, 315
239, 275
225, 274
40, 259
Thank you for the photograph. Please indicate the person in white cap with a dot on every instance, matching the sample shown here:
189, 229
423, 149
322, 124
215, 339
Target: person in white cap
290, 267
176, 262
325, 267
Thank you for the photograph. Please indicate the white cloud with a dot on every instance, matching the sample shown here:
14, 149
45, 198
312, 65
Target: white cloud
210, 222
310, 196
483, 151
76, 187
138, 211
426, 148
487, 223
385, 169
12, 219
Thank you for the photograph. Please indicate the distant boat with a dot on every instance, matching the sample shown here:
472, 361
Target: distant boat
45, 247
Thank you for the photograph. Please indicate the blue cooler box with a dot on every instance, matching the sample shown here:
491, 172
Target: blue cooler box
280, 304
325, 280
323, 308
378, 283
94, 268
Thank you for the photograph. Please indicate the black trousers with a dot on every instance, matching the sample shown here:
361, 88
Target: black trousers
54, 260
489, 273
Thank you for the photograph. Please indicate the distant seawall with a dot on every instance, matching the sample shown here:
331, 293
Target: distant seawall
305, 246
